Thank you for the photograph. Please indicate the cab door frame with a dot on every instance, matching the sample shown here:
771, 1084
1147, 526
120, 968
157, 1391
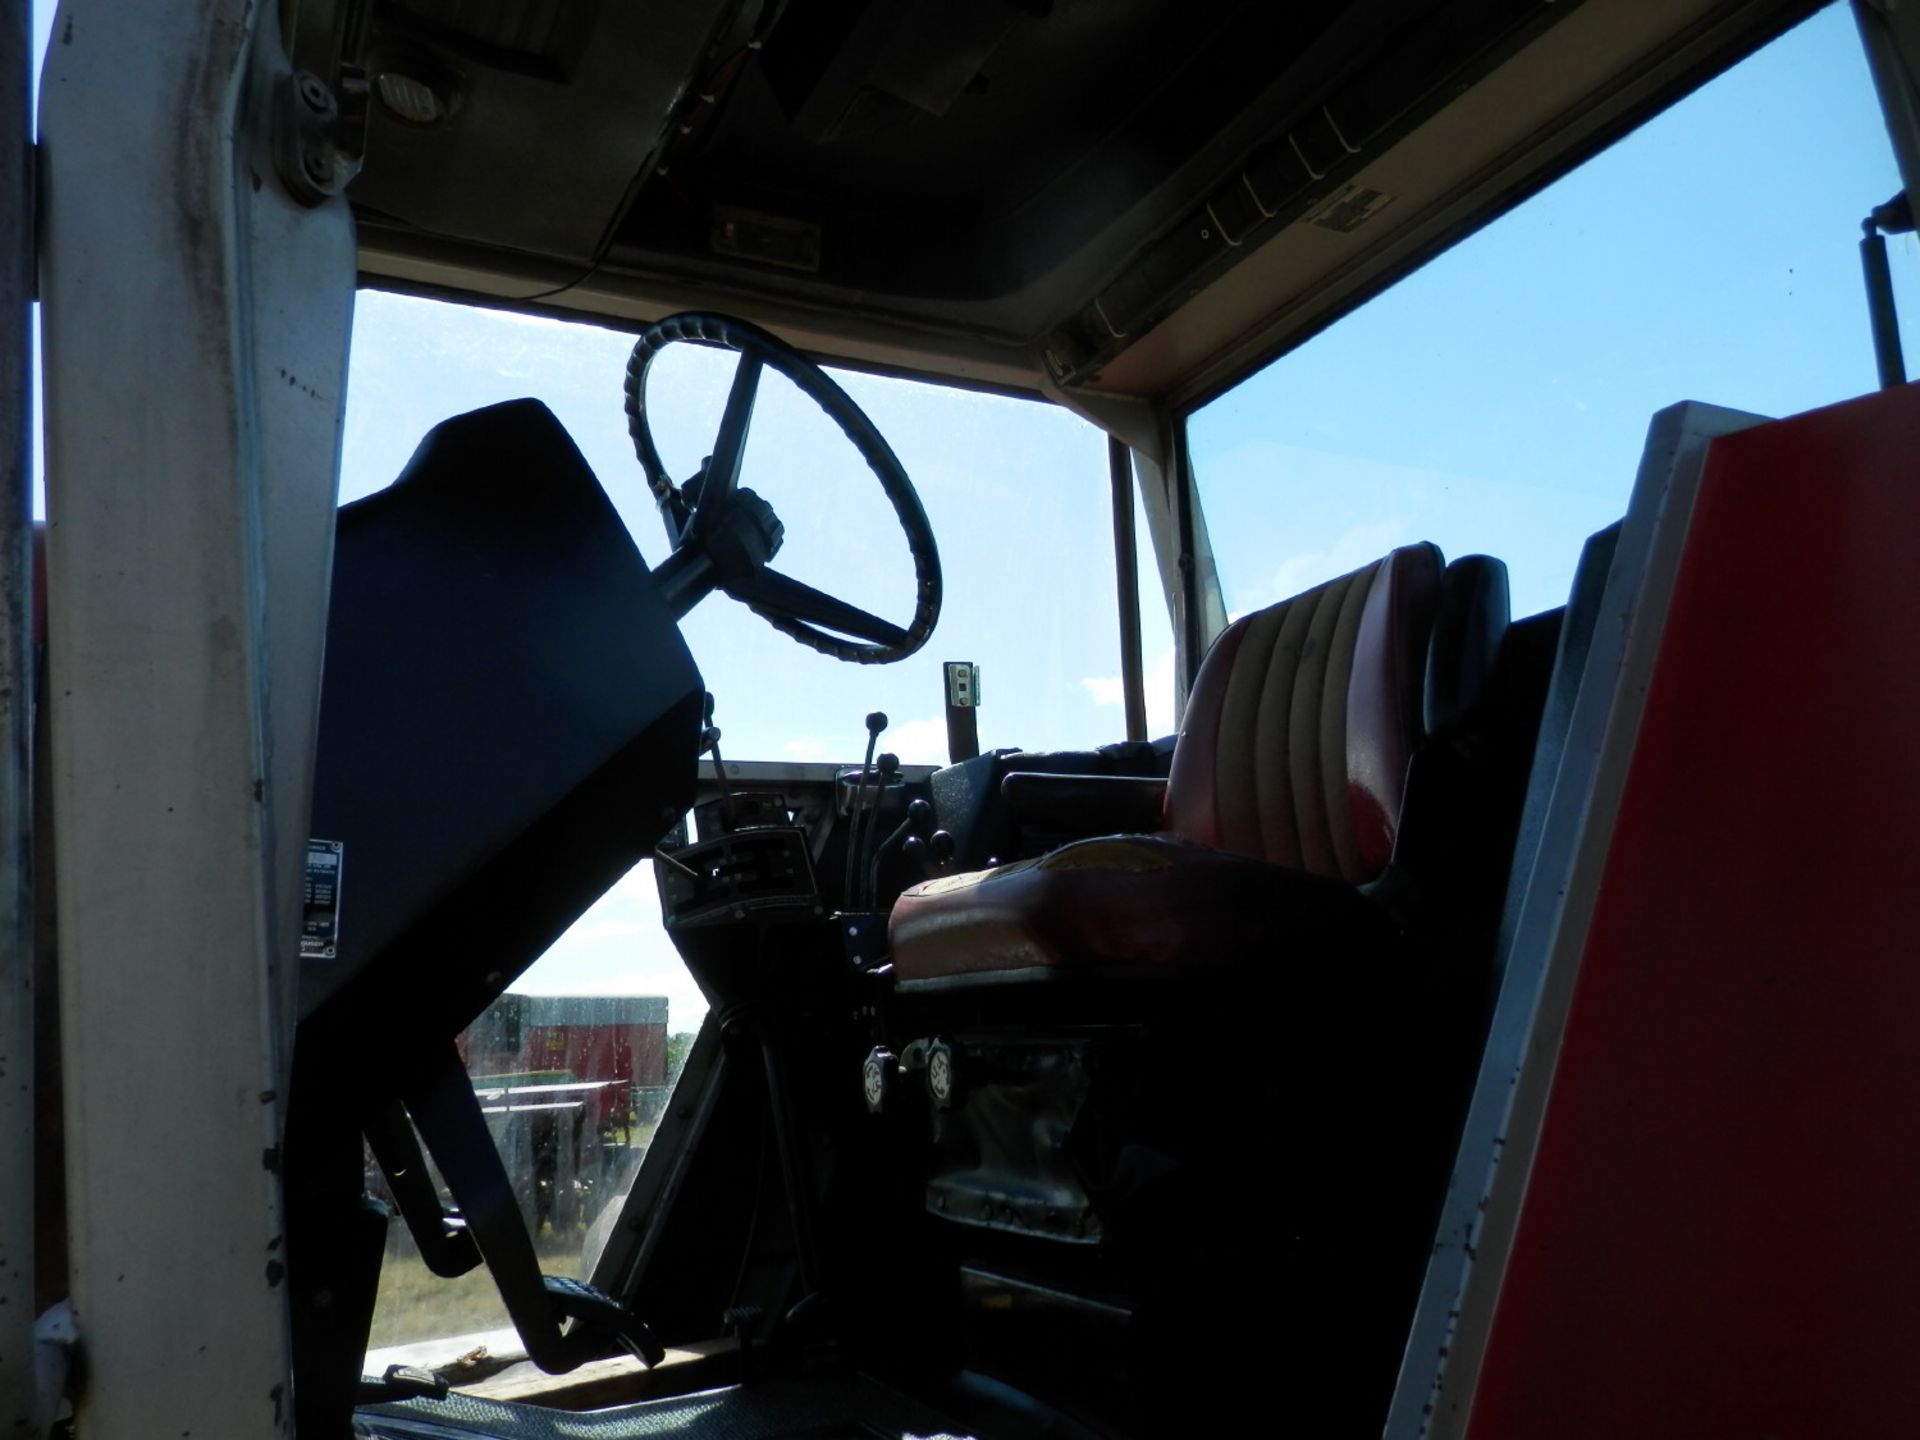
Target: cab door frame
196, 320
20, 1403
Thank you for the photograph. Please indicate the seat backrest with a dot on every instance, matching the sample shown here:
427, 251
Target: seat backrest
1295, 742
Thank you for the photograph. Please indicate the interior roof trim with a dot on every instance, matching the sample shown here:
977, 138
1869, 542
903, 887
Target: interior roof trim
1203, 348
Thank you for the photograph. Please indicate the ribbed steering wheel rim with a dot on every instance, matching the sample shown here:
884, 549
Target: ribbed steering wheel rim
764, 596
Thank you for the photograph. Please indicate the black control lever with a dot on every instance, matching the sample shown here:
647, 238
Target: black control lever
710, 742
909, 835
441, 1238
931, 851
888, 766
446, 1112
876, 722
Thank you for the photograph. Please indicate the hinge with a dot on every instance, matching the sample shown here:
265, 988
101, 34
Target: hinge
320, 138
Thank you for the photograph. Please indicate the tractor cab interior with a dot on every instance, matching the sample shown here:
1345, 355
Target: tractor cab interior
1052, 1092
1117, 1088
1328, 847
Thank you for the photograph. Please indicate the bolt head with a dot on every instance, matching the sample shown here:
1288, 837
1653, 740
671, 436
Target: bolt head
876, 1078
940, 1073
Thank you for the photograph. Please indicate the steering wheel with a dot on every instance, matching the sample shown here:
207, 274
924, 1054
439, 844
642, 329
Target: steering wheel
727, 533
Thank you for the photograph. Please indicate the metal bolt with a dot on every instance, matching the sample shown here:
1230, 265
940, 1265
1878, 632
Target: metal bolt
876, 1078
940, 1073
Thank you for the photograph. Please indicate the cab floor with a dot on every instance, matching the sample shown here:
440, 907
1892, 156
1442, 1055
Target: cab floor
839, 1407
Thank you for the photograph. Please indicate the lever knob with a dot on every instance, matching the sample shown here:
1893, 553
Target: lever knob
919, 816
940, 843
877, 1077
876, 722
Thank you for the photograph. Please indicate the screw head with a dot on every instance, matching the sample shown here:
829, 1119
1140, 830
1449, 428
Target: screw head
876, 1078
940, 1073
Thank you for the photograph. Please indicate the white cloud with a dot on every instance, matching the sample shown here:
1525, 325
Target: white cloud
1157, 678
1355, 546
806, 747
918, 742
620, 947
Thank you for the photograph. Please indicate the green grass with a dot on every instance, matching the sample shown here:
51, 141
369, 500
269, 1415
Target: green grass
415, 1304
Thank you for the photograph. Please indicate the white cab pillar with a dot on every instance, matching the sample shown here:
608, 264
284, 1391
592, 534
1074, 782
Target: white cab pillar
196, 324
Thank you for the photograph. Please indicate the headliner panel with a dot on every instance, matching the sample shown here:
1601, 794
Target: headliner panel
914, 230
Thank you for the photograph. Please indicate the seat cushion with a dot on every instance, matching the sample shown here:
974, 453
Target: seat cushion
1141, 903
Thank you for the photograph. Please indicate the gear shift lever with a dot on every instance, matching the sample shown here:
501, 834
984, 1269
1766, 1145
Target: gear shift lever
889, 766
907, 835
710, 741
876, 722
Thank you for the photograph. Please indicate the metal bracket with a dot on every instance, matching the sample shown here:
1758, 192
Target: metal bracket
1305, 163
1220, 228
1338, 134
320, 139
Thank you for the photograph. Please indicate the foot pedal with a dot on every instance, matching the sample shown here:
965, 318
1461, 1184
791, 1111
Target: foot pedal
596, 1311
401, 1382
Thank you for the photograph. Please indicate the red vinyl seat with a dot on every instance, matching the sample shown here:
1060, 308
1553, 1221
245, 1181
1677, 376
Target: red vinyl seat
1284, 800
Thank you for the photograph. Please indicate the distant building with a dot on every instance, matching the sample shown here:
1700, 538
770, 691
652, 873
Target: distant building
551, 1039
561, 1080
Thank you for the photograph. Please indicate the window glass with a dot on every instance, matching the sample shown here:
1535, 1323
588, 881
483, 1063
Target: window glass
1497, 400
1016, 492
1156, 635
573, 1066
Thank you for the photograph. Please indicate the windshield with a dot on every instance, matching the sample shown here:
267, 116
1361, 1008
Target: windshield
1016, 491
574, 1066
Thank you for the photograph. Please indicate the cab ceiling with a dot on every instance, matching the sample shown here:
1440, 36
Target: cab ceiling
1144, 196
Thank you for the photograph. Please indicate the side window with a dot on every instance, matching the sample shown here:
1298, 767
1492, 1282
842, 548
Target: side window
573, 1067
1498, 399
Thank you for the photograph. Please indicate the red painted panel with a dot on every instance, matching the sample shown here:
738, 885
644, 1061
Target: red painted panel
630, 1053
1722, 1233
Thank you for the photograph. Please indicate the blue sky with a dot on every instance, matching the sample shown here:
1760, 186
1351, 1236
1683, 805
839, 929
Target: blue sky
1495, 401
1017, 492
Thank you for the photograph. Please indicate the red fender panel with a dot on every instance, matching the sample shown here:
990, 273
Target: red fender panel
1721, 1234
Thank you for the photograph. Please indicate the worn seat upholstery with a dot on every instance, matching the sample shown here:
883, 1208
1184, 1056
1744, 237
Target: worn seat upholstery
1285, 797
